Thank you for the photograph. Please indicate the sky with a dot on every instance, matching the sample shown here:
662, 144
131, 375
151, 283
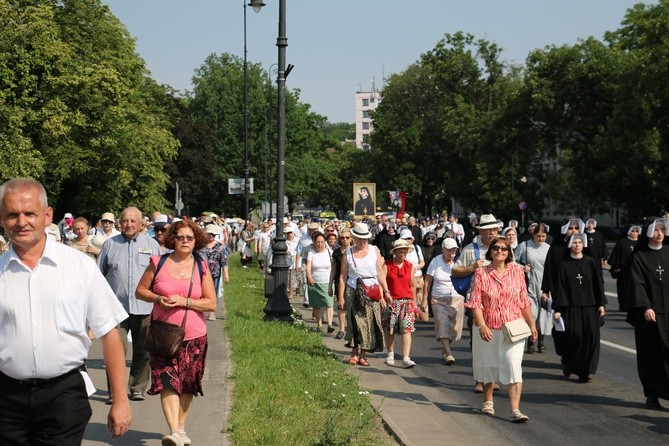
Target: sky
339, 47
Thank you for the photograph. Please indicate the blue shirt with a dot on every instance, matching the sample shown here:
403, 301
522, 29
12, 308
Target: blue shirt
123, 262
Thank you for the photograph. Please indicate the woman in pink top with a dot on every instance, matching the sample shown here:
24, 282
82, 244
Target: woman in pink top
499, 295
177, 288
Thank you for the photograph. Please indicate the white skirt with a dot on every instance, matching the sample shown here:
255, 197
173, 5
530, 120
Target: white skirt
497, 360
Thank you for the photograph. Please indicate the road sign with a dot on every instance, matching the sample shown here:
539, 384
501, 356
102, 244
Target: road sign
236, 186
522, 205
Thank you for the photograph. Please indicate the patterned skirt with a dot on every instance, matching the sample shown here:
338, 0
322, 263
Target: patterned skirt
400, 317
448, 316
183, 373
363, 328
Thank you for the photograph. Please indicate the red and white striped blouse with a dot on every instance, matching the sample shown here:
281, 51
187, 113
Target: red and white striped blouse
502, 299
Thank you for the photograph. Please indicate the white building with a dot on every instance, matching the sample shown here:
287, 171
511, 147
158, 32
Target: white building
365, 102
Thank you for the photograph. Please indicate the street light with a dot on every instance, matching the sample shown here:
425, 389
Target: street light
246, 119
278, 307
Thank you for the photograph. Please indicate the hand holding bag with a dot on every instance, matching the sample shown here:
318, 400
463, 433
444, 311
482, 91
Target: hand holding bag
516, 330
164, 338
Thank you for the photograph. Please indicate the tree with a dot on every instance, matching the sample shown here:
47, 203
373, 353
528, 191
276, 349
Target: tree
432, 130
77, 100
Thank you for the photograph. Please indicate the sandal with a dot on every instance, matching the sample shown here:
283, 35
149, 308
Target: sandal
363, 362
353, 360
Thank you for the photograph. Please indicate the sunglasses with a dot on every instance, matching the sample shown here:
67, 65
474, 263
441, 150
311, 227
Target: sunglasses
161, 229
500, 248
188, 238
574, 228
345, 238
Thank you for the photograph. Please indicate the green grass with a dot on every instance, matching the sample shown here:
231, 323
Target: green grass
288, 388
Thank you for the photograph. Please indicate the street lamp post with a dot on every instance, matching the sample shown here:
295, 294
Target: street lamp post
278, 307
246, 126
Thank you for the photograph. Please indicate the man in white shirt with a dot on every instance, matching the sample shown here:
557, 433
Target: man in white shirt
49, 293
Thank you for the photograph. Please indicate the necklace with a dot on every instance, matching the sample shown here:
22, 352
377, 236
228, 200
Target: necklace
182, 266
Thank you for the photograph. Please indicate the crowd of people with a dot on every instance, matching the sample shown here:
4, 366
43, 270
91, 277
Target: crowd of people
383, 275
367, 281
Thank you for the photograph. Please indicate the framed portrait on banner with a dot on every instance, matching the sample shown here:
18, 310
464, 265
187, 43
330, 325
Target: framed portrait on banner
364, 200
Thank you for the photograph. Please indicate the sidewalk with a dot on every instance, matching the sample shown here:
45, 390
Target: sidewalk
206, 421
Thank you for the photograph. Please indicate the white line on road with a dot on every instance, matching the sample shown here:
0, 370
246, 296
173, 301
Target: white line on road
619, 347
610, 294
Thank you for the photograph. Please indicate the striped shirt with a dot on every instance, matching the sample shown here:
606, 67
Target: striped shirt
502, 299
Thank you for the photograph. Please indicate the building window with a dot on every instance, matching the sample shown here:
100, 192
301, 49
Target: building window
371, 99
365, 113
365, 102
365, 125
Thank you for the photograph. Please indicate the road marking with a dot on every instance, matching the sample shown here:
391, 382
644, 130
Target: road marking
610, 294
619, 347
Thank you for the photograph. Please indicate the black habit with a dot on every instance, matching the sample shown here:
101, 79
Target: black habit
618, 261
577, 296
649, 288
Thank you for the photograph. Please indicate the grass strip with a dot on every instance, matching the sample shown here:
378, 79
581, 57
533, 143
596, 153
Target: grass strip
288, 388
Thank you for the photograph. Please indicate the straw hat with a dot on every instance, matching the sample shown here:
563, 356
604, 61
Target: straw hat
361, 231
400, 243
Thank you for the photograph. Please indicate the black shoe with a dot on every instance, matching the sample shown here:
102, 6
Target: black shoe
653, 402
340, 335
136, 395
331, 329
530, 349
109, 400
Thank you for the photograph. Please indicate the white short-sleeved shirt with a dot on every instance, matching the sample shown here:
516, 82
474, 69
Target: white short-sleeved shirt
442, 286
44, 312
321, 264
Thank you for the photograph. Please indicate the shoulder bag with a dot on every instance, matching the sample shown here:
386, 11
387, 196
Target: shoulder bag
164, 338
364, 294
516, 330
462, 284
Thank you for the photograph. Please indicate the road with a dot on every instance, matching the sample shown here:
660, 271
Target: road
608, 411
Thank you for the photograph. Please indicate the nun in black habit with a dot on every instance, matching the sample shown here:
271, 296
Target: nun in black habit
648, 310
579, 299
620, 258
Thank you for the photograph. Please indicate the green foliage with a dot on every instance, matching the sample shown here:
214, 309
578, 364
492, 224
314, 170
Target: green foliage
77, 108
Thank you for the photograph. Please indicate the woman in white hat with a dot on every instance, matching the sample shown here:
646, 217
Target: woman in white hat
399, 317
447, 305
363, 261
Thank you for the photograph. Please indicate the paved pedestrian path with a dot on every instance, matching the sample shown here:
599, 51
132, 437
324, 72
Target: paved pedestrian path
206, 420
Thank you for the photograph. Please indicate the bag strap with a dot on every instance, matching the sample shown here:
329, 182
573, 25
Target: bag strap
159, 265
476, 251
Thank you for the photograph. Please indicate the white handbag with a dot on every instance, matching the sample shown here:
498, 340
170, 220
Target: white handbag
516, 330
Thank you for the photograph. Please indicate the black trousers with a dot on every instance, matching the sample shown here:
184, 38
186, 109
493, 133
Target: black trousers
47, 415
140, 370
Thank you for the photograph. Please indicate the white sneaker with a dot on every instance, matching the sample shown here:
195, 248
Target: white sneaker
390, 359
408, 363
184, 438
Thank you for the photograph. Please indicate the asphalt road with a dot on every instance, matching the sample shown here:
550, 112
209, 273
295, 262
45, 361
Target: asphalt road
608, 411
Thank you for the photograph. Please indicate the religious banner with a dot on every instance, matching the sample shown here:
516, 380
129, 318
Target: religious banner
398, 201
364, 200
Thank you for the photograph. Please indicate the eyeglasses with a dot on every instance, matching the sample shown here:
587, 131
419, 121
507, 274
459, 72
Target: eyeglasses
188, 238
345, 238
500, 248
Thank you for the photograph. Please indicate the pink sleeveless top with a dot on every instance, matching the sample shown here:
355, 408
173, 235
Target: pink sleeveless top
166, 285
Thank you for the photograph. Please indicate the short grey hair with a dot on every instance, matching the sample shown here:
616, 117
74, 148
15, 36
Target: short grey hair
18, 185
132, 209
